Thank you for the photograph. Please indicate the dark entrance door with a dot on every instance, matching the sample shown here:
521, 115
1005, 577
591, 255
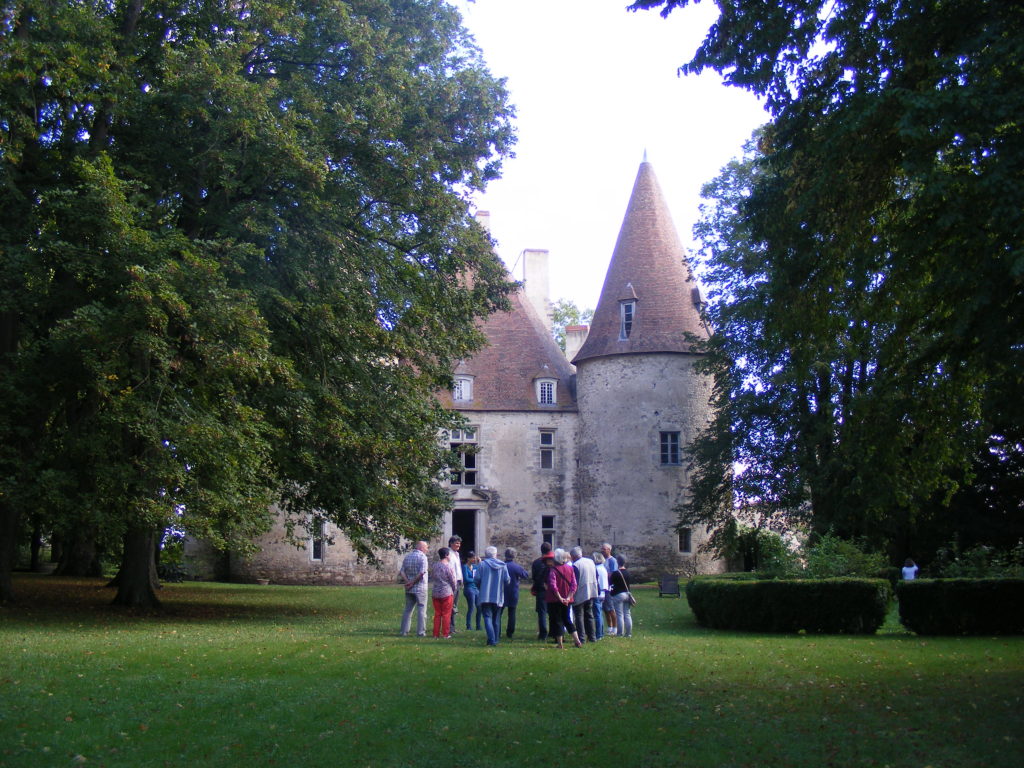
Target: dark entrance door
464, 525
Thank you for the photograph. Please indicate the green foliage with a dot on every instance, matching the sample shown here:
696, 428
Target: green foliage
235, 265
962, 606
868, 263
830, 606
564, 312
977, 562
831, 556
756, 549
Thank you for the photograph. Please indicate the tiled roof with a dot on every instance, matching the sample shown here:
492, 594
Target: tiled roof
520, 350
648, 265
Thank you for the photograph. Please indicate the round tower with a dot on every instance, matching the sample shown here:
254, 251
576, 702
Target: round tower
641, 401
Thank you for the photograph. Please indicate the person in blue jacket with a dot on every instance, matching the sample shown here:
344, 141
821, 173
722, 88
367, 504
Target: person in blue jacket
491, 578
470, 589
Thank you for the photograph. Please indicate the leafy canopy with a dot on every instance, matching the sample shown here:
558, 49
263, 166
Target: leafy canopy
237, 261
869, 249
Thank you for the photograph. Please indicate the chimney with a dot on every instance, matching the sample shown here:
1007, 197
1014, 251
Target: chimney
575, 335
483, 218
535, 278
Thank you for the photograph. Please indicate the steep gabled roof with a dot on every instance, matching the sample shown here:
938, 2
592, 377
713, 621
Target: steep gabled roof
649, 266
520, 350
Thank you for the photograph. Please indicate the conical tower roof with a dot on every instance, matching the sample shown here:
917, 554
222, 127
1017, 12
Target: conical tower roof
649, 268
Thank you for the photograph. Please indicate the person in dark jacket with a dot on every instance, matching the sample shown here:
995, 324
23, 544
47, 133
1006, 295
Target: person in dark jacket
539, 576
619, 581
516, 573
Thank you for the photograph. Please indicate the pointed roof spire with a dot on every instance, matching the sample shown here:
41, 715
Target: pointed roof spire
649, 269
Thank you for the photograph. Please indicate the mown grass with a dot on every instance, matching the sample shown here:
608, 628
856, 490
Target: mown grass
234, 675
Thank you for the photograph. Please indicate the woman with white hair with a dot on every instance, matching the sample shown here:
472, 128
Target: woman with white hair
491, 577
602, 593
561, 588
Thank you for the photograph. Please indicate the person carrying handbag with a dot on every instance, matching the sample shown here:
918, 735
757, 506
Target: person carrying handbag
559, 591
622, 599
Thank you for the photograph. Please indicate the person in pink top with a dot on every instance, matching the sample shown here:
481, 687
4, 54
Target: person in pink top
442, 589
561, 587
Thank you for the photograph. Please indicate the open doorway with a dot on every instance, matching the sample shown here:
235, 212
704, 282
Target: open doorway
464, 525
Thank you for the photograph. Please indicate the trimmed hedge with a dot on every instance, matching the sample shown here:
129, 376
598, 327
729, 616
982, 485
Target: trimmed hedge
831, 606
962, 606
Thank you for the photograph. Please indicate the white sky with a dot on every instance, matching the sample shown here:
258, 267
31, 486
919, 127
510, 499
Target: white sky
595, 86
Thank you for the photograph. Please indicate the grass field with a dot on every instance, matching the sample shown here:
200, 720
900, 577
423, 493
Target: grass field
233, 675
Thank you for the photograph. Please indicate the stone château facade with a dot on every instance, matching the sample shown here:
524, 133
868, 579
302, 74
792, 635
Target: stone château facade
578, 452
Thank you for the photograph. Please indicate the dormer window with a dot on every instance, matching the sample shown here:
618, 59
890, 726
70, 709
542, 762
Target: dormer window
627, 310
462, 391
547, 391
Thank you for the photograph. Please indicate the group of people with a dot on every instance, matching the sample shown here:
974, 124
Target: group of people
586, 598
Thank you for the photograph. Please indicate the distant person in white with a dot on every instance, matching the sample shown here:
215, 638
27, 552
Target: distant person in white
910, 570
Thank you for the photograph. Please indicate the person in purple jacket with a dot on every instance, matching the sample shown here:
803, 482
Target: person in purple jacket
561, 588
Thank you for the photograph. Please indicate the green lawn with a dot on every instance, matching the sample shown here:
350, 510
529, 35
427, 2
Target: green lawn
241, 675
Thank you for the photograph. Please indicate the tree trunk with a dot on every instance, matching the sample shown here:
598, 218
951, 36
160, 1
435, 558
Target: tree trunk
37, 545
79, 555
137, 580
8, 550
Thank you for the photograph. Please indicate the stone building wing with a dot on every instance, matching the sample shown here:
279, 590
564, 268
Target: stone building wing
520, 352
648, 270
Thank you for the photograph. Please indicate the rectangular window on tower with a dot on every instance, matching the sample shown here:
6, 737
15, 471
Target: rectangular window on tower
463, 443
547, 449
627, 309
547, 528
670, 449
685, 540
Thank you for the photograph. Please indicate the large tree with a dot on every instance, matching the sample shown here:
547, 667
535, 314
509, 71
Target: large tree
883, 232
237, 262
819, 416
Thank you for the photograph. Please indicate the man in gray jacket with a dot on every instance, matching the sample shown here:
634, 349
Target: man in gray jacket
586, 591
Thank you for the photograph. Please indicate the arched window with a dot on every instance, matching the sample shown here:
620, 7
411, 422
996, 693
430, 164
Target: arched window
627, 310
462, 391
547, 391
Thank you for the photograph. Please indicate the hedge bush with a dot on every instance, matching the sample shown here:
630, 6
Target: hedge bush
831, 606
962, 606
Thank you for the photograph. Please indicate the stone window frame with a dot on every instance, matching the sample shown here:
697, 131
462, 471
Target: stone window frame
468, 476
547, 391
546, 448
317, 541
685, 540
462, 389
670, 448
547, 529
627, 316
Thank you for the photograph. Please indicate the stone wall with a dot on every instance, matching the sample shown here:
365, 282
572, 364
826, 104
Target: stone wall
283, 563
627, 495
514, 491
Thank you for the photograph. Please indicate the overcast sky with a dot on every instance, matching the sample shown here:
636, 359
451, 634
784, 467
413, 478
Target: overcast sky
595, 86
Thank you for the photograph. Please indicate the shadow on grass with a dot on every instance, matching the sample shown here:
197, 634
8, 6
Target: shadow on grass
44, 597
